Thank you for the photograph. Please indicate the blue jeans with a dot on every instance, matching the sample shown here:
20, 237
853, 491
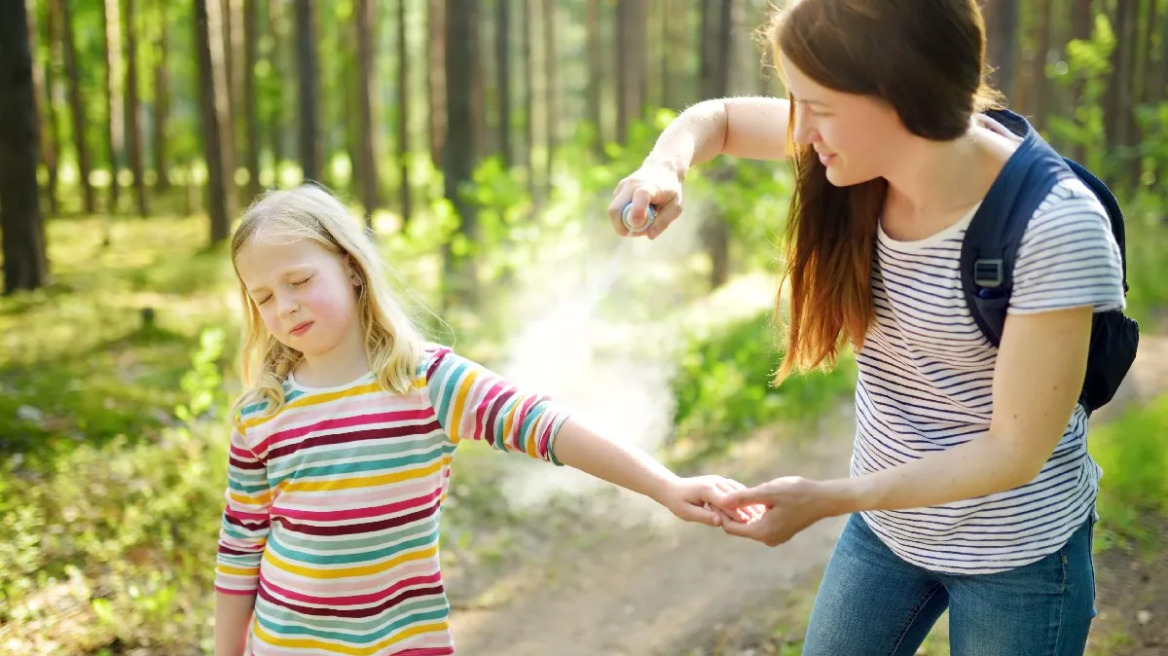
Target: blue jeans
874, 603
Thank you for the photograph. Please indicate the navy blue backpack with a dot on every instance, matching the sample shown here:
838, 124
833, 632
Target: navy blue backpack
991, 243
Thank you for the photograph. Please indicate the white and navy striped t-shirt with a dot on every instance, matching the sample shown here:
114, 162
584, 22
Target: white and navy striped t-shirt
926, 377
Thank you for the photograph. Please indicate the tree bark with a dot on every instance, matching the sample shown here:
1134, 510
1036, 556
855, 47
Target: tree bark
76, 104
44, 114
251, 112
403, 121
161, 100
115, 115
503, 66
134, 111
310, 146
595, 75
437, 75
459, 161
551, 102
366, 81
213, 95
23, 239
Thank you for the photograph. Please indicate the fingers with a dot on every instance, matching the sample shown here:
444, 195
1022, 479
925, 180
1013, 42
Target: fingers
642, 189
728, 486
700, 514
759, 495
666, 214
620, 197
742, 530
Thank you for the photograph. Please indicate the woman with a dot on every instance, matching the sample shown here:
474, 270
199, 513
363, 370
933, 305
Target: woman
971, 485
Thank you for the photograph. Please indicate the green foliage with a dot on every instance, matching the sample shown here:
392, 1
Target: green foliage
1088, 63
117, 524
723, 389
1135, 464
1146, 244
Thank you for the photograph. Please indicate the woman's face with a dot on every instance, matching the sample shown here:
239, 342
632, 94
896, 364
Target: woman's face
856, 137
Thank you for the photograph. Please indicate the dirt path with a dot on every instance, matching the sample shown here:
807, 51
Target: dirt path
669, 589
644, 591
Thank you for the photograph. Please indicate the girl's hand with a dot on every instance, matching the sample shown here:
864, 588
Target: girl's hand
704, 499
655, 185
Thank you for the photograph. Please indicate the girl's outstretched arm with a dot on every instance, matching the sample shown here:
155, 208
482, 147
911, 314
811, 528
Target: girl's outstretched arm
692, 499
472, 402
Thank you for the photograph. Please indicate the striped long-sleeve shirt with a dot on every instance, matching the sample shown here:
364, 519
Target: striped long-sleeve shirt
333, 504
926, 384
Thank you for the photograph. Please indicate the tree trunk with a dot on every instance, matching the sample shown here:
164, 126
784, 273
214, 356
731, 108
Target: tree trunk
1118, 110
437, 75
1082, 25
213, 96
1002, 43
403, 121
503, 66
366, 80
44, 115
717, 47
161, 101
134, 111
76, 104
526, 35
115, 135
595, 74
310, 147
279, 56
252, 119
459, 162
632, 74
231, 71
23, 238
551, 102
1040, 82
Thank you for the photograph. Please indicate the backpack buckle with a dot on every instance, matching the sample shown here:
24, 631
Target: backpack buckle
989, 273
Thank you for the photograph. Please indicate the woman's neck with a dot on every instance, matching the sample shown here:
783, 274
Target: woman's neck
941, 178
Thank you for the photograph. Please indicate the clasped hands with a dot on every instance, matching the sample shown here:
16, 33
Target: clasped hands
771, 513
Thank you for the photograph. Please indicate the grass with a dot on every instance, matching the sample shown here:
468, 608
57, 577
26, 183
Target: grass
1132, 453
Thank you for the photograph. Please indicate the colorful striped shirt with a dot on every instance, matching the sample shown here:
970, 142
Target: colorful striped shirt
333, 503
926, 384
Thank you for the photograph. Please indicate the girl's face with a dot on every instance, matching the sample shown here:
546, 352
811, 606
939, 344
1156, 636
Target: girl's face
856, 137
306, 294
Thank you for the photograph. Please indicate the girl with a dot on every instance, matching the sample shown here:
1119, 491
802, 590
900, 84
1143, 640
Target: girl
971, 482
341, 450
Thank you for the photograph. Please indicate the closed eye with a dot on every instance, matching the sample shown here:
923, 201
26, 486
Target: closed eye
297, 283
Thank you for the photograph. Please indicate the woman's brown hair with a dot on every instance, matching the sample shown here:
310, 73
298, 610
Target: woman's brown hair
925, 58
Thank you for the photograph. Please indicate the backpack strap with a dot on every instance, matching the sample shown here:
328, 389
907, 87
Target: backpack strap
1114, 214
990, 245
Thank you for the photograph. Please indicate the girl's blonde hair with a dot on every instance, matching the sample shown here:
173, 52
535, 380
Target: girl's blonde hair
393, 343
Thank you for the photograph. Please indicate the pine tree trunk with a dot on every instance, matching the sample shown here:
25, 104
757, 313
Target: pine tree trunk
437, 74
551, 102
44, 115
134, 111
310, 146
22, 236
213, 97
115, 135
161, 101
503, 66
403, 121
251, 112
459, 162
